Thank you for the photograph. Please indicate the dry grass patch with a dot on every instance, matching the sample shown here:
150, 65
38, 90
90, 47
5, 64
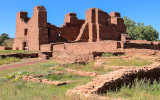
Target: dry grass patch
129, 62
88, 67
8, 60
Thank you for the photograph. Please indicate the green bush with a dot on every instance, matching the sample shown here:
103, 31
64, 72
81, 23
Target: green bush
137, 31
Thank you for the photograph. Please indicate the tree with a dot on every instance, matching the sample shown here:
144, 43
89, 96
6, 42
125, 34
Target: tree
139, 31
4, 36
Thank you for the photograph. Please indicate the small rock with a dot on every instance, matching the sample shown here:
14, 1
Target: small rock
49, 74
52, 68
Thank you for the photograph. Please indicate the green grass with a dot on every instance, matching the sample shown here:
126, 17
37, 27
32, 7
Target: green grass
8, 60
66, 77
88, 67
35, 91
140, 90
107, 55
130, 62
14, 51
39, 68
21, 90
110, 55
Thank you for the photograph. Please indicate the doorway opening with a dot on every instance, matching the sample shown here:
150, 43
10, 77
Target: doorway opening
25, 46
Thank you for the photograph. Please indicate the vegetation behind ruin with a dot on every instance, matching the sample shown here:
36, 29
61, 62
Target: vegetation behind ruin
138, 31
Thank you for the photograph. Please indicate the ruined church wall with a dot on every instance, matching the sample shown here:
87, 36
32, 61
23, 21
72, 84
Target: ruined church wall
29, 29
70, 31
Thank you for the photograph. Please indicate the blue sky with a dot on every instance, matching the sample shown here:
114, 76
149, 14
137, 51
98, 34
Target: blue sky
144, 11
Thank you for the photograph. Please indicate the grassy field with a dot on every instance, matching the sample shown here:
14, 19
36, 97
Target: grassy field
12, 89
140, 90
129, 62
88, 67
14, 51
8, 60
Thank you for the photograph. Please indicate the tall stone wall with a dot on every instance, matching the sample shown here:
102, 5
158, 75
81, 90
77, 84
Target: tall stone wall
29, 31
71, 27
101, 26
33, 32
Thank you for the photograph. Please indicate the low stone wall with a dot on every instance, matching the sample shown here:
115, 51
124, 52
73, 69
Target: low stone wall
142, 44
72, 57
48, 53
5, 48
85, 47
46, 47
84, 51
20, 55
116, 79
141, 52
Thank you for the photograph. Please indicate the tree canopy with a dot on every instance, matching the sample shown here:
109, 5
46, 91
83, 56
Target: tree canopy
139, 31
3, 37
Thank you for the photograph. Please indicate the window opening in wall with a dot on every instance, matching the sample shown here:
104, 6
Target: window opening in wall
49, 33
25, 32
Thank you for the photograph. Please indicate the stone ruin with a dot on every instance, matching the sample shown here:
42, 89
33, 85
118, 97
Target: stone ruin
82, 41
5, 48
76, 40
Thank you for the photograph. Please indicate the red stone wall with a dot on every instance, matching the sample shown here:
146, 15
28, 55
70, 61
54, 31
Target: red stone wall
5, 48
71, 27
35, 29
82, 52
142, 44
46, 47
101, 26
83, 47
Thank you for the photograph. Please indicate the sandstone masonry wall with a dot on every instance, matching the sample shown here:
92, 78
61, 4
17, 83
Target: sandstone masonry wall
33, 32
114, 80
142, 44
5, 48
82, 52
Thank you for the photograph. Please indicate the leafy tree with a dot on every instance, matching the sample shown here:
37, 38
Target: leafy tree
3, 37
139, 31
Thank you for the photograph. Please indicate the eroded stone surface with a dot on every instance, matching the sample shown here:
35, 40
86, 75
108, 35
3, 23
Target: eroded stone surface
82, 73
77, 72
34, 78
115, 79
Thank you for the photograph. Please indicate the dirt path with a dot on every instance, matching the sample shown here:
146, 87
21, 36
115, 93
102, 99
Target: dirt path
21, 64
